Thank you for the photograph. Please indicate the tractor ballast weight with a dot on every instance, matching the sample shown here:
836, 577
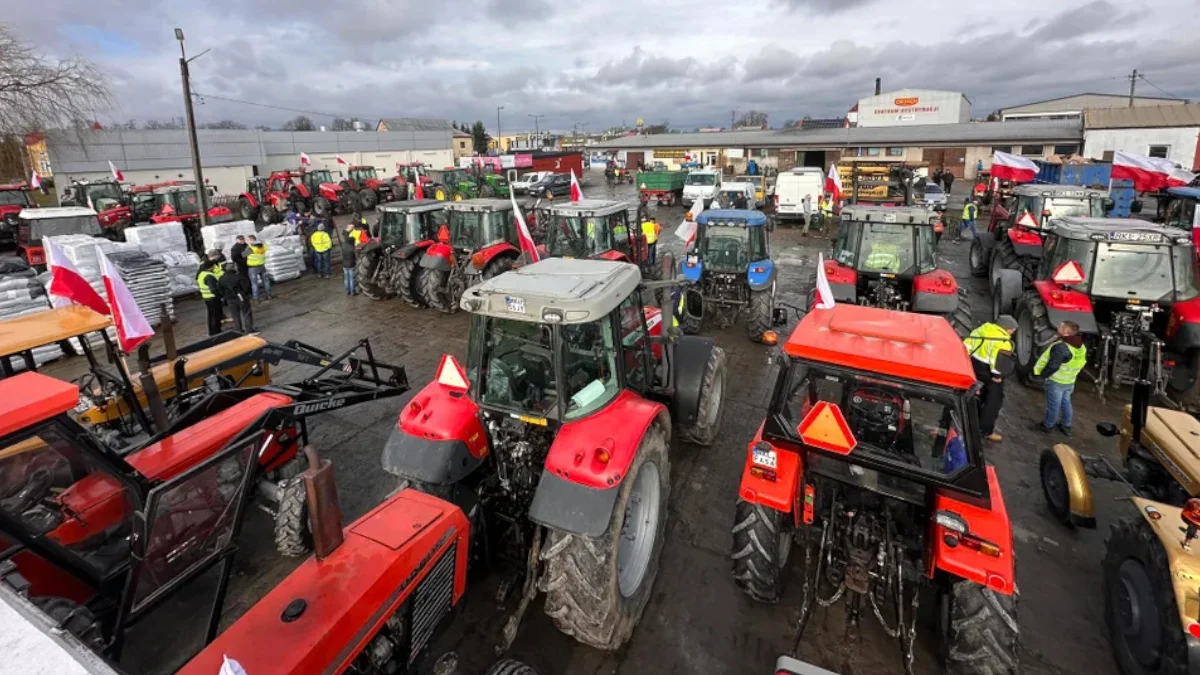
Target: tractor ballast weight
558, 428
478, 241
387, 265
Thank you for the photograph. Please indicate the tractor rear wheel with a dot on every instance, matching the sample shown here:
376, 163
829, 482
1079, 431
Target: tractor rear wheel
691, 322
1184, 383
365, 270
1139, 602
367, 199
487, 191
981, 248
712, 402
597, 587
762, 541
439, 193
510, 667
404, 281
293, 530
1034, 334
497, 266
758, 320
431, 288
321, 207
979, 630
246, 210
266, 214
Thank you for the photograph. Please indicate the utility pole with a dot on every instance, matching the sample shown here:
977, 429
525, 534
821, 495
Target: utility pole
499, 135
1132, 86
732, 114
537, 132
201, 188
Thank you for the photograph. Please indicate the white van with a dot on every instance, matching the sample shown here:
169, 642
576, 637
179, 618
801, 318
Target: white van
791, 188
701, 184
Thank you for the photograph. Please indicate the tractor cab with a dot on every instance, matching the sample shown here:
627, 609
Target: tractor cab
731, 271
452, 184
477, 242
884, 257
871, 460
324, 194
35, 224
106, 197
1177, 208
591, 228
1013, 239
14, 198
387, 265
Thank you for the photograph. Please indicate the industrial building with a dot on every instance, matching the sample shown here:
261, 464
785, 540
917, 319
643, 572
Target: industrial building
913, 107
1073, 107
1171, 132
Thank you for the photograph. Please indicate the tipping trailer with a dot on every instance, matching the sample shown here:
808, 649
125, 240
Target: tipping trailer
663, 187
1094, 175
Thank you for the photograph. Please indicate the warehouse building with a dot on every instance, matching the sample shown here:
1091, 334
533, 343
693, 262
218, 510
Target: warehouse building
958, 147
1170, 132
1073, 107
913, 107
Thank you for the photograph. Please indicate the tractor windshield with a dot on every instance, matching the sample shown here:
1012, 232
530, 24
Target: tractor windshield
577, 237
104, 196
731, 246
315, 178
183, 201
517, 366
15, 198
473, 230
1152, 272
362, 174
1060, 207
907, 424
399, 228
53, 227
886, 248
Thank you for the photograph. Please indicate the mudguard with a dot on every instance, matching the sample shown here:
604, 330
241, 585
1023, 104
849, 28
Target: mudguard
989, 523
760, 275
935, 293
692, 268
779, 494
438, 256
1066, 305
691, 354
843, 281
1183, 326
1081, 509
438, 439
1026, 242
613, 254
409, 250
1165, 520
487, 253
577, 490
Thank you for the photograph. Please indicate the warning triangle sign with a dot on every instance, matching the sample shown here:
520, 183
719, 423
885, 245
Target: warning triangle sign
825, 428
1068, 273
1027, 220
450, 374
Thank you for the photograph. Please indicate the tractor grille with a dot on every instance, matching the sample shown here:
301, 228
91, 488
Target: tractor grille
431, 601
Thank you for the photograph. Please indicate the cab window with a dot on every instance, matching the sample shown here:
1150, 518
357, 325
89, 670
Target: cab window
633, 340
589, 367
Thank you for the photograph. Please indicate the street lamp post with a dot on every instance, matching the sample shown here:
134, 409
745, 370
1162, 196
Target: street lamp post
537, 132
201, 188
499, 134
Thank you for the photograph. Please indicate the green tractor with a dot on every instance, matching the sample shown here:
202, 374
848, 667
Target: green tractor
491, 184
452, 185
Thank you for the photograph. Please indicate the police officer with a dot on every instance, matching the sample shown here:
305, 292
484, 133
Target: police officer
1060, 365
208, 280
651, 230
986, 345
321, 245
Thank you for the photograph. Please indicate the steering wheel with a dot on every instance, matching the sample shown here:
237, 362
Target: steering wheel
877, 410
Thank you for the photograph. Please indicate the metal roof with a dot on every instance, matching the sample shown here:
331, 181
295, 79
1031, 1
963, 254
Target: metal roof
1081, 227
904, 215
1143, 118
752, 218
56, 212
1054, 189
1086, 101
415, 124
479, 205
411, 206
586, 207
577, 290
969, 133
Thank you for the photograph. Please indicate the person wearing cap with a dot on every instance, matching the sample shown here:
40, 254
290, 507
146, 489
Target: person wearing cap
256, 262
235, 293
1060, 364
987, 345
321, 245
208, 280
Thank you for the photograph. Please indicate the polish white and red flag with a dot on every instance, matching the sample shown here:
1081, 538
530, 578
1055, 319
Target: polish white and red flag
833, 184
576, 190
1149, 174
67, 285
35, 181
132, 327
305, 160
1013, 168
341, 160
823, 298
687, 229
117, 175
418, 191
526, 239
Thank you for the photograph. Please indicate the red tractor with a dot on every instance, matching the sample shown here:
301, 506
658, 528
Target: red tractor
409, 175
106, 197
33, 225
14, 197
364, 184
597, 228
176, 202
556, 434
478, 242
263, 203
871, 462
317, 190
388, 264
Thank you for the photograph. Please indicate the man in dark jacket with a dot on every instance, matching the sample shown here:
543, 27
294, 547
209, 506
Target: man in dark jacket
350, 240
948, 181
236, 294
238, 254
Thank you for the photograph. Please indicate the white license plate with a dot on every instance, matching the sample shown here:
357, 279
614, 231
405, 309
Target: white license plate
515, 305
765, 458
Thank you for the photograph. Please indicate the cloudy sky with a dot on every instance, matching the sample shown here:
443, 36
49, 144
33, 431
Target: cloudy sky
605, 62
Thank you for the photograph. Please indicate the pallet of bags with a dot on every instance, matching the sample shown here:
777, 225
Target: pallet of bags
222, 236
22, 294
285, 258
182, 268
146, 277
158, 238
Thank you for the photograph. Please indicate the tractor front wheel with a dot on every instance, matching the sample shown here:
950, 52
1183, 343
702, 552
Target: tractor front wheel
712, 402
510, 667
321, 207
293, 530
758, 321
597, 587
1139, 602
367, 199
1034, 334
404, 281
365, 270
981, 248
266, 214
246, 210
979, 630
431, 288
762, 540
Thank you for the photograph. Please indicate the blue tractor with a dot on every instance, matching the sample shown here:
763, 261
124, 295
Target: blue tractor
731, 271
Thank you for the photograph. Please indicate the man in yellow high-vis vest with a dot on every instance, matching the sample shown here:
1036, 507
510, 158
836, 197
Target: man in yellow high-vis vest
1060, 364
210, 291
985, 345
321, 245
651, 229
256, 264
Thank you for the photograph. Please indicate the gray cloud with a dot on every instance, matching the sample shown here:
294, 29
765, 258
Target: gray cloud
1094, 17
826, 6
511, 13
770, 63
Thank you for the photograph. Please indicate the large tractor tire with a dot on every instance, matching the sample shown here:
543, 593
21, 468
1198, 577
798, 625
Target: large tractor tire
293, 529
1139, 603
979, 631
246, 210
440, 193
431, 289
510, 667
267, 215
365, 270
404, 281
691, 322
1034, 334
762, 541
321, 207
1184, 384
1006, 290
597, 587
367, 199
980, 254
400, 190
758, 318
497, 266
712, 402
487, 191
1004, 257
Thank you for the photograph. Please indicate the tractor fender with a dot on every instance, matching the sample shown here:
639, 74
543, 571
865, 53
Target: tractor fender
488, 253
692, 268
1066, 305
779, 494
329, 191
438, 438
843, 281
1025, 242
438, 257
1165, 520
987, 521
250, 198
613, 254
1081, 511
1183, 326
761, 275
409, 250
577, 490
690, 355
935, 292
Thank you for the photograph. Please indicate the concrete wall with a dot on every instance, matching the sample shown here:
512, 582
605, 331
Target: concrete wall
909, 107
1184, 143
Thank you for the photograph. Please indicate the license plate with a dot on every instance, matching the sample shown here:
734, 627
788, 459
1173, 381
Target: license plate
515, 305
766, 458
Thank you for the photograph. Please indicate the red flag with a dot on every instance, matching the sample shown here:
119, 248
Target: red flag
687, 229
576, 190
833, 184
67, 285
304, 160
341, 160
527, 245
35, 181
117, 175
132, 327
824, 295
418, 191
1013, 168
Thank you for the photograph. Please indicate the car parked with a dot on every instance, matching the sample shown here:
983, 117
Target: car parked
527, 180
556, 184
935, 197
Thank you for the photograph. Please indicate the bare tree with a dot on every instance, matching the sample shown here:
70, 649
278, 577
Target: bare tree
299, 123
158, 125
223, 124
752, 119
39, 93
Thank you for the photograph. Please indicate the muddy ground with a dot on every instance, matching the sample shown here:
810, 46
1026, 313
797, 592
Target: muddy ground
697, 620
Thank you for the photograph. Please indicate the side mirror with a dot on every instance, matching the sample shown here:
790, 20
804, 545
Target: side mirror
778, 316
1135, 206
1107, 429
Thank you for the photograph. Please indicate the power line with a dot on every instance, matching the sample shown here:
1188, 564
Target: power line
274, 107
1142, 77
